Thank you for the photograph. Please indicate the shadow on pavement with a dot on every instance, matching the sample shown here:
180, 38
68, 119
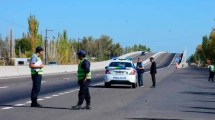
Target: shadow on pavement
208, 87
112, 87
198, 93
150, 119
202, 108
209, 101
56, 108
199, 112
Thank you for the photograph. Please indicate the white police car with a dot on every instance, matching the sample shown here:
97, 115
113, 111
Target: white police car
121, 71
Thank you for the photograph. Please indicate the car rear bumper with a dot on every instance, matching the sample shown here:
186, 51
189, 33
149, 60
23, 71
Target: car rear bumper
129, 79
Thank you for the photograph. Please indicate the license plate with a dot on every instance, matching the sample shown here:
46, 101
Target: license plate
119, 73
119, 78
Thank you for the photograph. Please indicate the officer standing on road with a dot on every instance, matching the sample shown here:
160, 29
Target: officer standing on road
211, 72
36, 75
153, 71
140, 71
84, 78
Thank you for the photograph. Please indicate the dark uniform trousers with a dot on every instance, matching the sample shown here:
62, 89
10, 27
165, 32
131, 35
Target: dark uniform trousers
84, 93
153, 79
211, 76
36, 78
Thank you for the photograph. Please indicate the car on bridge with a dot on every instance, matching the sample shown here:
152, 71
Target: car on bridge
121, 71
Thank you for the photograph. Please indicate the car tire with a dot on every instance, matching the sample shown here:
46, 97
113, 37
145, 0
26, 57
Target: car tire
107, 85
134, 85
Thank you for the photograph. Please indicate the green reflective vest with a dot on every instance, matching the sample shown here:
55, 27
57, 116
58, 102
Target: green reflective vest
212, 68
81, 73
33, 71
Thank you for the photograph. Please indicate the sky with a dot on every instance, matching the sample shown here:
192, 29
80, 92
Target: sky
162, 25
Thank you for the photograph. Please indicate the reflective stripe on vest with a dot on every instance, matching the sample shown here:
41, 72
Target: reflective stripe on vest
212, 68
81, 73
40, 72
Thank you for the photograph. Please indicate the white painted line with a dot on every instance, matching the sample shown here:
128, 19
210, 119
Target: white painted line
7, 108
74, 90
66, 78
47, 97
40, 99
61, 93
28, 102
44, 81
67, 92
4, 78
97, 84
3, 87
17, 105
55, 95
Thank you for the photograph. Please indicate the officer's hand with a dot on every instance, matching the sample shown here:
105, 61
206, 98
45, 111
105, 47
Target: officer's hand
41, 66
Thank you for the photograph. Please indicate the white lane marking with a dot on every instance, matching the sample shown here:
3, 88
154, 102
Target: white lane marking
40, 99
67, 92
97, 84
28, 102
17, 105
3, 87
7, 108
47, 97
44, 81
66, 78
61, 93
55, 95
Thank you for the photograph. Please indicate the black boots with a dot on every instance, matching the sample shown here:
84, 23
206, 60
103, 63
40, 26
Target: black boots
35, 104
78, 107
87, 107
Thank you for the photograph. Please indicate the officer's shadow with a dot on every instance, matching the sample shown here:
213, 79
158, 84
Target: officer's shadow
44, 107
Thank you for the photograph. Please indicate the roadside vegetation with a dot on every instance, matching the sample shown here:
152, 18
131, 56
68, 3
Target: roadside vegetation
205, 52
61, 48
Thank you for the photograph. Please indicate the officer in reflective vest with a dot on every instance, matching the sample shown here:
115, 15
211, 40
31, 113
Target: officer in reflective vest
36, 75
211, 72
84, 78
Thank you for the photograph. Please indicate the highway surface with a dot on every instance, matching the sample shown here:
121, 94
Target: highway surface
181, 94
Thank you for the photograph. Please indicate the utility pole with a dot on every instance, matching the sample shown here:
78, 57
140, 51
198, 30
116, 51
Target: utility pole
46, 40
11, 44
79, 43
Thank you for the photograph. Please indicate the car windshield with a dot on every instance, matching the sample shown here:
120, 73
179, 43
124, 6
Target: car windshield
120, 64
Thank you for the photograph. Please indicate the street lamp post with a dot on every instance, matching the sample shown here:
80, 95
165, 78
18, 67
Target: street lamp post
46, 39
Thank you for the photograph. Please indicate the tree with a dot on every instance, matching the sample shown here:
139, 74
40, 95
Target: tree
33, 26
23, 45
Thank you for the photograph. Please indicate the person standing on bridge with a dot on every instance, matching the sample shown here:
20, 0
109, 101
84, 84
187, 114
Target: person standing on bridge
153, 72
36, 75
140, 71
211, 72
84, 78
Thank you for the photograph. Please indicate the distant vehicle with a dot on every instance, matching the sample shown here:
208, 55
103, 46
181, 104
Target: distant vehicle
52, 63
143, 53
121, 71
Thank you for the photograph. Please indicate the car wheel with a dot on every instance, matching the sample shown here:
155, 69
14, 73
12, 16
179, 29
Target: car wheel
134, 85
107, 85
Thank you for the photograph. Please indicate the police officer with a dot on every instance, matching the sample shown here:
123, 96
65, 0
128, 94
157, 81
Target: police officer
140, 71
36, 75
84, 78
211, 72
153, 71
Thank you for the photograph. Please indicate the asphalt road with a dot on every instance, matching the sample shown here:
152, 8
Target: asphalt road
19, 88
181, 94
